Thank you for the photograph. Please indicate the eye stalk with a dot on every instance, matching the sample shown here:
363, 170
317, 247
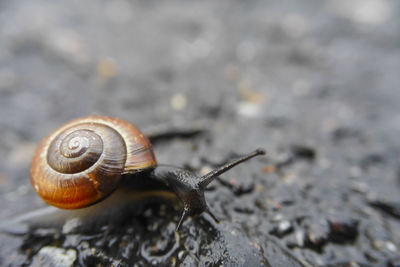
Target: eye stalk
190, 188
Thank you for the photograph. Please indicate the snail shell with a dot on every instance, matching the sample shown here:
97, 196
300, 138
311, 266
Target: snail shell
82, 162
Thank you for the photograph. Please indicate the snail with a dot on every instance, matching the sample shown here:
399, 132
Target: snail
85, 160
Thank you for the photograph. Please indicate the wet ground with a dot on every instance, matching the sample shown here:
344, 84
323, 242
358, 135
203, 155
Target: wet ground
314, 83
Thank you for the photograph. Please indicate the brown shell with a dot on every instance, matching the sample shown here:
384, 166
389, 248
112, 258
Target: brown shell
82, 162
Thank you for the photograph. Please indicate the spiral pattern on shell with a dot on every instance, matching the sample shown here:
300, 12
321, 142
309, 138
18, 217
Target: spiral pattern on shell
76, 151
83, 161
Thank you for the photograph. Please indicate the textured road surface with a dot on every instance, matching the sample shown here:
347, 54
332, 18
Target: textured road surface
314, 83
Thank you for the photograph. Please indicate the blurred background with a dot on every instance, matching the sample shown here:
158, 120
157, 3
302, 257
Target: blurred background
316, 83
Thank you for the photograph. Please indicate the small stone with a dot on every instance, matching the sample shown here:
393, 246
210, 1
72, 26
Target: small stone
249, 95
53, 256
283, 228
259, 188
204, 170
371, 12
278, 217
178, 102
71, 225
300, 238
72, 240
269, 169
181, 254
318, 232
249, 109
390, 246
359, 187
378, 244
106, 68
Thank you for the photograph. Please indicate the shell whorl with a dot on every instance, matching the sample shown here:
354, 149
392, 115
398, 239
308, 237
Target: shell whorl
83, 161
75, 151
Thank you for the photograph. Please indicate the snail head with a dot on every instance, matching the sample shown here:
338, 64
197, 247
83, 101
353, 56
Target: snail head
190, 188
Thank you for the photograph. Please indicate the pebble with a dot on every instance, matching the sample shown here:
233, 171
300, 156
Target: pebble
106, 68
53, 256
300, 238
283, 228
249, 95
269, 169
318, 232
178, 102
390, 246
249, 109
71, 225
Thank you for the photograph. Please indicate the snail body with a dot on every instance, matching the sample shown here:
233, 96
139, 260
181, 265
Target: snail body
84, 161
